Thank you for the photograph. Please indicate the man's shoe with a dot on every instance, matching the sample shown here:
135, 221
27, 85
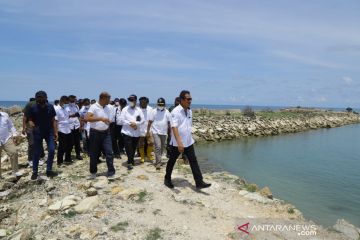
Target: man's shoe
34, 177
129, 167
79, 157
18, 174
51, 174
168, 183
92, 176
30, 163
111, 177
202, 184
41, 162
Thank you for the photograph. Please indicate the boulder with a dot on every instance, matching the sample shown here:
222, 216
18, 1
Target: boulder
266, 192
91, 192
347, 229
87, 204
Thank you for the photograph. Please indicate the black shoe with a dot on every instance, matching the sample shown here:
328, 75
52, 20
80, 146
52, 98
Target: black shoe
34, 177
168, 183
202, 184
51, 174
79, 157
130, 167
68, 162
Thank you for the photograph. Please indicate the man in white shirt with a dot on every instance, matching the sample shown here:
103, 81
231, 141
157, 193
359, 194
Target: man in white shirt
118, 145
73, 110
85, 126
7, 142
159, 123
99, 117
64, 132
131, 119
147, 111
182, 141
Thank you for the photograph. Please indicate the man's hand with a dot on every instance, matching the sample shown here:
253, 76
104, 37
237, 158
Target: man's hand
147, 134
105, 120
56, 136
23, 132
181, 148
133, 125
31, 124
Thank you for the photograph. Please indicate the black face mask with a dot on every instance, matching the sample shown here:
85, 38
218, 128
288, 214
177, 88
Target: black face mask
41, 101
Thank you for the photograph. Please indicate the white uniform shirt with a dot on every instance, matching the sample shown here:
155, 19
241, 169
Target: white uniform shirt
147, 112
117, 114
7, 128
128, 115
160, 121
98, 111
184, 123
83, 111
112, 108
62, 118
74, 121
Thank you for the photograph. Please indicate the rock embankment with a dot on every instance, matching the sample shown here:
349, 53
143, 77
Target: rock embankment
226, 127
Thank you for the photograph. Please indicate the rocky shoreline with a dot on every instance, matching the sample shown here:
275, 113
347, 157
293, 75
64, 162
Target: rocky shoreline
136, 205
221, 125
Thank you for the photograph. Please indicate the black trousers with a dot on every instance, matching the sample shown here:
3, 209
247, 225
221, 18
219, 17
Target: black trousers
99, 141
190, 154
65, 141
75, 135
130, 147
116, 138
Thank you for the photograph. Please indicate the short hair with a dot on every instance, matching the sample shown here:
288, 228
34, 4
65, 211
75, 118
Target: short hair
86, 100
104, 95
183, 93
64, 98
72, 96
144, 99
123, 101
56, 102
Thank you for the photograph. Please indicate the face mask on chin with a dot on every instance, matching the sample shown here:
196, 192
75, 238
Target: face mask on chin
87, 107
72, 104
161, 108
132, 104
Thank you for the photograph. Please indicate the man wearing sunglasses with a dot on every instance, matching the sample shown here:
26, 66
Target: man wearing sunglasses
182, 141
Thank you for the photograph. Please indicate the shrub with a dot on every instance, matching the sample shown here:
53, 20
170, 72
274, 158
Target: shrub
248, 112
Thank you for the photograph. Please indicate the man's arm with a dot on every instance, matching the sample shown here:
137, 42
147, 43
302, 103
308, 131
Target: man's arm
90, 118
54, 123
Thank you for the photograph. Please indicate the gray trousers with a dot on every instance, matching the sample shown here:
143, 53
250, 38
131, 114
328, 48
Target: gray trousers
11, 150
159, 143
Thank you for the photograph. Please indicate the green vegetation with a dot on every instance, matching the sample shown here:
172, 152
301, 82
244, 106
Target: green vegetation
154, 234
69, 214
142, 196
121, 226
251, 188
291, 210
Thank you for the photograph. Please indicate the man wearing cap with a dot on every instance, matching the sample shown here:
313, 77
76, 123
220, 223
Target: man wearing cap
182, 141
43, 125
131, 119
159, 123
99, 116
147, 111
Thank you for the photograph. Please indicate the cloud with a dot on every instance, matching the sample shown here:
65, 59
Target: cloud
347, 80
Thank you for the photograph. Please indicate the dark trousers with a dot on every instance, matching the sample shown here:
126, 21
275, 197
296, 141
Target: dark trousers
130, 147
75, 135
98, 141
190, 154
85, 140
38, 140
118, 140
30, 139
64, 147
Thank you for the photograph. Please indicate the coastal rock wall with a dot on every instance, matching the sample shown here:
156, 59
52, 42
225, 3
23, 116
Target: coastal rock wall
226, 127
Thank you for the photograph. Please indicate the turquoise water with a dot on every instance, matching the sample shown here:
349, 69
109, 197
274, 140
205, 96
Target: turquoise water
317, 171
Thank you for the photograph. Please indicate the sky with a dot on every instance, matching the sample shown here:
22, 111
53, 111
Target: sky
268, 53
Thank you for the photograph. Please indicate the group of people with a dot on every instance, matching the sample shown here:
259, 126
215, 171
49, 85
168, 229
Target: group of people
108, 128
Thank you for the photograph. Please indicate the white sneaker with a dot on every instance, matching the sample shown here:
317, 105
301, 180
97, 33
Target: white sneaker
30, 163
92, 176
41, 162
44, 178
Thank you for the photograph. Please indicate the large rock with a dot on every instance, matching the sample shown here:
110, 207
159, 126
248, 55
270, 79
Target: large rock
266, 192
347, 229
101, 183
64, 204
91, 192
130, 193
87, 204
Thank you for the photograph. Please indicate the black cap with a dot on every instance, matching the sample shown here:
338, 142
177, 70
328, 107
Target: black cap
161, 101
116, 100
132, 97
41, 94
144, 99
123, 101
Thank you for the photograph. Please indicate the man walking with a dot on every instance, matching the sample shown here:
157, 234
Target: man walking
182, 141
43, 126
73, 110
64, 132
145, 138
131, 119
99, 117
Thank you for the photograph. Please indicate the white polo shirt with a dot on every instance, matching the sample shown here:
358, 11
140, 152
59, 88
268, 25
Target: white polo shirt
184, 123
128, 115
74, 121
83, 111
160, 121
98, 111
147, 113
63, 121
7, 128
117, 116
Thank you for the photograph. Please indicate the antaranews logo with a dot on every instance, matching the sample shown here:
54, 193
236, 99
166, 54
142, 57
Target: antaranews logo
287, 228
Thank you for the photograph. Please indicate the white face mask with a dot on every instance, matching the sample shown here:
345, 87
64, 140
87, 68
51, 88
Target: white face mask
87, 107
117, 103
161, 108
132, 104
